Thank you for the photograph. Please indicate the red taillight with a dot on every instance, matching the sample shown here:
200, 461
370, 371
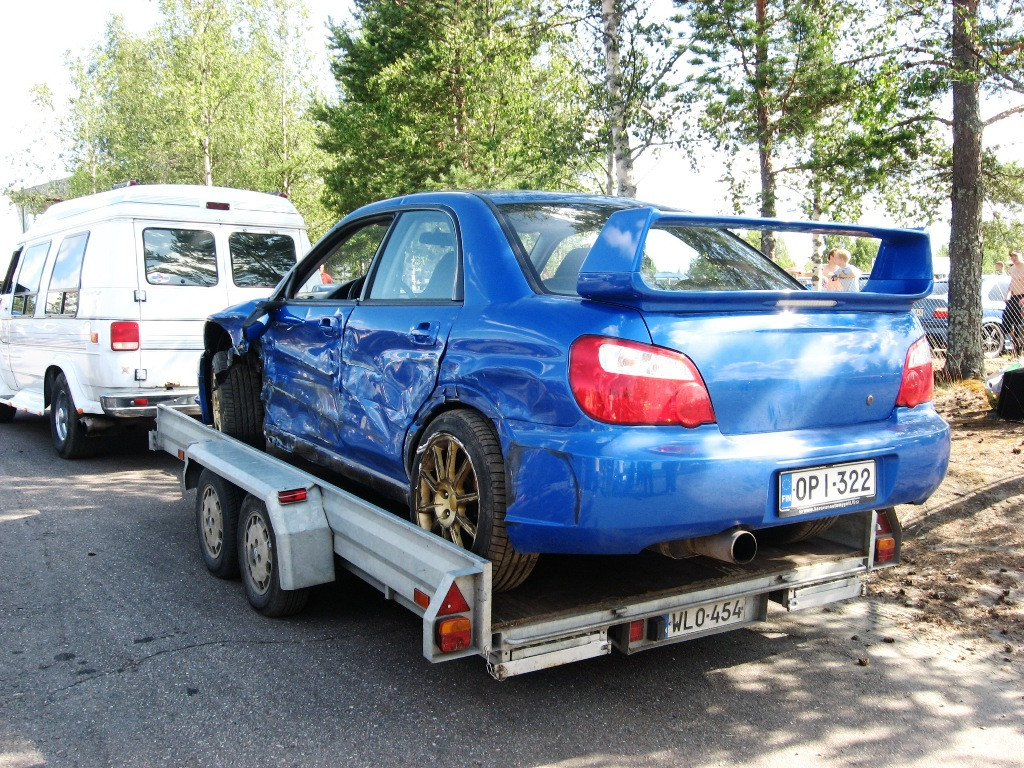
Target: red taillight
940, 313
636, 631
885, 542
918, 384
124, 336
454, 634
292, 496
625, 382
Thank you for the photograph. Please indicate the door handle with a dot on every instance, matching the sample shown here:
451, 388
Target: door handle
424, 333
329, 327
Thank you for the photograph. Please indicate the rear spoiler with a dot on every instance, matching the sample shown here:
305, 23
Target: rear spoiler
611, 272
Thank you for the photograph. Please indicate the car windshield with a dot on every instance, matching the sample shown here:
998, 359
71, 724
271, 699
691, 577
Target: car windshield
557, 238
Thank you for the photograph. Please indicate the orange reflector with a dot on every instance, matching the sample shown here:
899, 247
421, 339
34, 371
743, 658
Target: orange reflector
454, 634
636, 631
421, 598
454, 602
885, 549
181, 454
290, 497
94, 337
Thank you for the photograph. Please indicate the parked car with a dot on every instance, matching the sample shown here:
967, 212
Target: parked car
933, 311
542, 373
103, 303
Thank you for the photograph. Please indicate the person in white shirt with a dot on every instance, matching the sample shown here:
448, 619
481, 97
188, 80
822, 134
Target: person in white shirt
845, 277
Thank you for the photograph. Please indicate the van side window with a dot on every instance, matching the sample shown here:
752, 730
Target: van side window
260, 260
8, 286
66, 279
27, 282
179, 257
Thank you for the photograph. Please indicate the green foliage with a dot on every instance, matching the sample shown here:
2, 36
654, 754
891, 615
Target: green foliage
782, 256
450, 94
999, 237
217, 93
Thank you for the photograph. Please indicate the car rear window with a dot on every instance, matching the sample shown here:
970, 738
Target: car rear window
557, 239
182, 257
706, 259
260, 260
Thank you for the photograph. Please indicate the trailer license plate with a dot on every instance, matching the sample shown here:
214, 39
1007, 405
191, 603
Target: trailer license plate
699, 618
819, 488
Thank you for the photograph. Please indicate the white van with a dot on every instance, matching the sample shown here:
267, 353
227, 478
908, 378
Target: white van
102, 306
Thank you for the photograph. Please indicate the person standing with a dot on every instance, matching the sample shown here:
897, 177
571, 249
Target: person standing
845, 277
1013, 315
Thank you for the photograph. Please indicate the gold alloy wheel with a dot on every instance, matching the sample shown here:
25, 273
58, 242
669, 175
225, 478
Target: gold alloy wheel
447, 493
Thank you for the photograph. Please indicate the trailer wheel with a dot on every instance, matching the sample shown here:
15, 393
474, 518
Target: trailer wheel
794, 532
257, 561
7, 413
237, 404
66, 428
458, 492
217, 506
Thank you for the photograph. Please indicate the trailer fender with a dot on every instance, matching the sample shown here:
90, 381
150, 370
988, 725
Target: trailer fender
304, 541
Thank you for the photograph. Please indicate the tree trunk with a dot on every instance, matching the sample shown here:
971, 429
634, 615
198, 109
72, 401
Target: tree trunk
964, 359
622, 158
765, 143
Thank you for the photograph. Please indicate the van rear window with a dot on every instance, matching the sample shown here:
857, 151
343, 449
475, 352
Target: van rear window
260, 260
179, 257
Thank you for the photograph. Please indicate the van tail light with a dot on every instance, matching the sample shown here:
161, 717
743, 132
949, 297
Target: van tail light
625, 382
940, 313
124, 336
885, 542
918, 383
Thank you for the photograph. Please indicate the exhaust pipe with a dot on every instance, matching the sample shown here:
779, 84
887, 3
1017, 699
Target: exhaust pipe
735, 546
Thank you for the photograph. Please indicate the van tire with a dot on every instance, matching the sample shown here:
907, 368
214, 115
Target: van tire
458, 493
237, 404
7, 413
66, 428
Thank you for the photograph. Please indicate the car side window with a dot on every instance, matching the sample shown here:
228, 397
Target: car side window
66, 278
420, 260
26, 284
340, 275
182, 257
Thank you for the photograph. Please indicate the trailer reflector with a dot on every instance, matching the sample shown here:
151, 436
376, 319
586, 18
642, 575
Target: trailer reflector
454, 602
421, 598
292, 496
636, 631
454, 634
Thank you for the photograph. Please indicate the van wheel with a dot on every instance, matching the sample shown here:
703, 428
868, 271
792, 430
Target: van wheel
66, 427
237, 404
257, 558
791, 534
458, 492
217, 506
7, 413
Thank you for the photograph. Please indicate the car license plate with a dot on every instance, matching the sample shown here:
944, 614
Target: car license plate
815, 489
919, 311
700, 618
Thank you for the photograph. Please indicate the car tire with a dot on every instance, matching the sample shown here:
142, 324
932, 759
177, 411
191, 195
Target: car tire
218, 503
237, 404
257, 561
795, 532
7, 413
66, 428
993, 340
458, 493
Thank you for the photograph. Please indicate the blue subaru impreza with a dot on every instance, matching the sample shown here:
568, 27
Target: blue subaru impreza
551, 373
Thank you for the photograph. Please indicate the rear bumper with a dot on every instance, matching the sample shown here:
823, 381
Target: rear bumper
143, 403
618, 490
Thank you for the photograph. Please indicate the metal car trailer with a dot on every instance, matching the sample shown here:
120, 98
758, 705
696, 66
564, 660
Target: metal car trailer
573, 608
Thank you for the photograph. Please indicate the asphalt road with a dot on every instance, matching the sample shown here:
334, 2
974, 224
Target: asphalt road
118, 648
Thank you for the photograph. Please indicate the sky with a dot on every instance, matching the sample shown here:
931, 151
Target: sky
35, 38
